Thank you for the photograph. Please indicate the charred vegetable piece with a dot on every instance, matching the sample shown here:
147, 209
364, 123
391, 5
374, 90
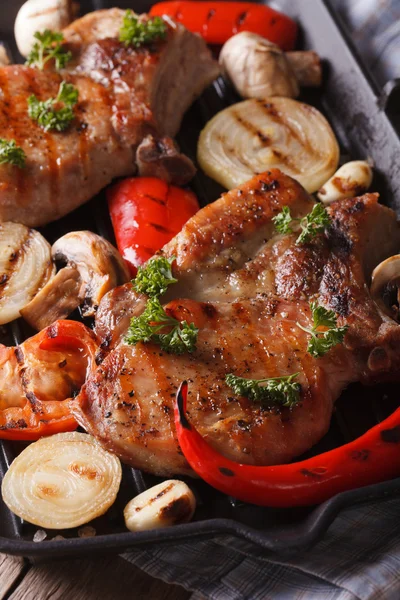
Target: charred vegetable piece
217, 21
62, 481
25, 267
168, 503
371, 458
39, 378
146, 213
256, 135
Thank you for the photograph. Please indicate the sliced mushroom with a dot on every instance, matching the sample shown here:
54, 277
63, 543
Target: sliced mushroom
25, 267
93, 267
259, 68
385, 288
38, 15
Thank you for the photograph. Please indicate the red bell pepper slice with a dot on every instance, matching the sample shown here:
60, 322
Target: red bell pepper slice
371, 458
39, 378
217, 21
146, 213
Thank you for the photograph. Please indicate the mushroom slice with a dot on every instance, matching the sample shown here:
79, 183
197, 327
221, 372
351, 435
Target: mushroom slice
57, 300
25, 267
93, 267
62, 481
385, 288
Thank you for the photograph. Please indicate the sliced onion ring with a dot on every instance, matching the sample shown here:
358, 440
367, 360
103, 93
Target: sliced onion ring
25, 267
62, 481
253, 136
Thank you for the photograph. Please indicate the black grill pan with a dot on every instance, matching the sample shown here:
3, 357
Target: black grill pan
361, 120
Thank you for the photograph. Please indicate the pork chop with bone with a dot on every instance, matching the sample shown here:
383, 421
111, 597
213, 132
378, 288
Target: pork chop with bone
131, 103
246, 287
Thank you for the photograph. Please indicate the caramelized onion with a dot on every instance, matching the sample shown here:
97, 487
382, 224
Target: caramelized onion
252, 136
62, 481
25, 267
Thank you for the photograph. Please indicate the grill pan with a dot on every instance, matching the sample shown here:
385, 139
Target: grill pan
365, 125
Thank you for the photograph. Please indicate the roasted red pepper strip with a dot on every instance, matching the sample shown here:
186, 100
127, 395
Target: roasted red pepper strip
216, 22
39, 377
146, 213
373, 457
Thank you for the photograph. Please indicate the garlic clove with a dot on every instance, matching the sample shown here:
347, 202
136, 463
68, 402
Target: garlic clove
165, 504
350, 180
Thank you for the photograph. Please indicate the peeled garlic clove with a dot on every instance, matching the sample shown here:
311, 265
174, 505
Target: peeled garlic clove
165, 504
38, 15
352, 179
62, 481
25, 267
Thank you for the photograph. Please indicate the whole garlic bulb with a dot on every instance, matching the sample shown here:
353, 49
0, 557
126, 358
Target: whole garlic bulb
38, 15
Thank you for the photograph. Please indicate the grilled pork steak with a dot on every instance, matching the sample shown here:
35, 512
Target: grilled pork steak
131, 101
245, 286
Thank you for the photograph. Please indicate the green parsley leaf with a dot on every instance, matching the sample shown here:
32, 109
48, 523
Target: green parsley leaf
137, 32
154, 278
47, 47
283, 220
11, 153
49, 117
313, 223
276, 390
153, 325
322, 341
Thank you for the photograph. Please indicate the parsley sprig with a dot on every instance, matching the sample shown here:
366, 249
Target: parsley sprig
47, 115
11, 153
275, 390
322, 341
154, 278
48, 46
312, 224
155, 325
137, 32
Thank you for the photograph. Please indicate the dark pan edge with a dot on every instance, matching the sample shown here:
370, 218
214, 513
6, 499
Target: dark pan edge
288, 541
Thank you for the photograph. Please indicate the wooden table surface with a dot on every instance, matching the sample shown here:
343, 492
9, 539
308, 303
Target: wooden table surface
107, 578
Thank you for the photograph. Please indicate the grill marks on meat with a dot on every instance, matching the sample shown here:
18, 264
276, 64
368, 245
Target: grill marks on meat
125, 96
245, 286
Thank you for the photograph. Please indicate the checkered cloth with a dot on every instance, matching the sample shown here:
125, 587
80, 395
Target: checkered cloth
359, 557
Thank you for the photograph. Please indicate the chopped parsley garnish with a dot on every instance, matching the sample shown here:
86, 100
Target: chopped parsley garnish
47, 115
11, 153
48, 46
276, 390
154, 278
138, 32
322, 341
155, 325
312, 224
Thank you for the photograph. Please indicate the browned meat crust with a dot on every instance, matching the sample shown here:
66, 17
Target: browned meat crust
246, 287
125, 94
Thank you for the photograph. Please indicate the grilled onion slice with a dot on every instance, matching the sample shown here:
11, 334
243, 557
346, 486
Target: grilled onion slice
62, 481
25, 267
253, 136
